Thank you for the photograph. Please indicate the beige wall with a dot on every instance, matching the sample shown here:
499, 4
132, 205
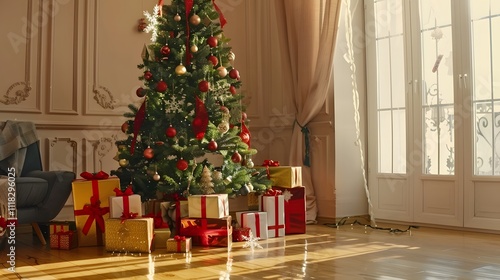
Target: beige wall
74, 73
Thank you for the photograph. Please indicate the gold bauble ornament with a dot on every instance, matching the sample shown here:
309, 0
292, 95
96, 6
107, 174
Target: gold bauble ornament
180, 70
223, 127
195, 19
222, 71
156, 177
177, 17
194, 48
123, 162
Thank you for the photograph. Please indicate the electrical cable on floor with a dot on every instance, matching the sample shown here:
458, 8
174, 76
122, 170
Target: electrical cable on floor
343, 221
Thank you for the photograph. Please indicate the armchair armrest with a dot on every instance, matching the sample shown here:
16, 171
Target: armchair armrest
59, 189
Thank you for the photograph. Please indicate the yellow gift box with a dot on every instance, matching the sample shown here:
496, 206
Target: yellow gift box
161, 237
286, 176
91, 205
129, 235
179, 244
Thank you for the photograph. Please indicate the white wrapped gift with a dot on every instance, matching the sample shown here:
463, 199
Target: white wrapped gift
256, 221
124, 205
274, 205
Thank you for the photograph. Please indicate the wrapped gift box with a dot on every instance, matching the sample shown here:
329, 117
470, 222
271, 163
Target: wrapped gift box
274, 205
124, 204
151, 209
214, 206
208, 231
64, 240
256, 221
129, 235
295, 209
286, 176
61, 226
179, 244
240, 233
161, 235
91, 205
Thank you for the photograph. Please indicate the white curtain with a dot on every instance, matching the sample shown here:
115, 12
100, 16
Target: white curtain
308, 32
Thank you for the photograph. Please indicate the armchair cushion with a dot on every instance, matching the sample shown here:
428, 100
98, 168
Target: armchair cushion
30, 191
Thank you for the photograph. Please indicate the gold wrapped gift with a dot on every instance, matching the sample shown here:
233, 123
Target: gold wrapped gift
179, 244
130, 235
91, 205
161, 237
286, 176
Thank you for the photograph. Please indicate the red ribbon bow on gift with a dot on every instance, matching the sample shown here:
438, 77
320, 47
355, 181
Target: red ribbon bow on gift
95, 212
272, 192
270, 162
128, 215
179, 238
128, 191
101, 175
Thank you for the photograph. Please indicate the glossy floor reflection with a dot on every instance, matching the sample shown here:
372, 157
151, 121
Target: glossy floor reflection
347, 252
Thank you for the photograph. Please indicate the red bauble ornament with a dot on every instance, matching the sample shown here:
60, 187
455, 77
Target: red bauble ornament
148, 153
236, 157
212, 146
148, 75
232, 89
165, 50
200, 135
182, 165
203, 86
125, 127
212, 41
161, 86
234, 74
224, 109
140, 92
214, 60
170, 132
245, 137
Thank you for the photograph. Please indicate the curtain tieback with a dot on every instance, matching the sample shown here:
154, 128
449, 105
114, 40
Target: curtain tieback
305, 130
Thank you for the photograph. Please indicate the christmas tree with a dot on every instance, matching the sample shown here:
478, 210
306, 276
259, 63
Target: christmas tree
191, 110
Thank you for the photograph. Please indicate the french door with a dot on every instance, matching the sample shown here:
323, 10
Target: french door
434, 111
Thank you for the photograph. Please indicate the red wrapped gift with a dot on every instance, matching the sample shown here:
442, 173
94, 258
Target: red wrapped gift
240, 233
207, 231
64, 240
295, 209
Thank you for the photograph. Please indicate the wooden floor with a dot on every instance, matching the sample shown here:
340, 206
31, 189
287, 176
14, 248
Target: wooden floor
346, 252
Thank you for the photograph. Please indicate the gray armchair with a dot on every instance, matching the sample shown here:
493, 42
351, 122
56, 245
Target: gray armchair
40, 195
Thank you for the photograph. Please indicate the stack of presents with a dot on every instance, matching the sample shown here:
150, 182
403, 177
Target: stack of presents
107, 216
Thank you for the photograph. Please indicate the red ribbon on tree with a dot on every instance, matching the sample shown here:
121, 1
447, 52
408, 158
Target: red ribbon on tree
222, 19
245, 129
188, 4
200, 121
160, 3
138, 120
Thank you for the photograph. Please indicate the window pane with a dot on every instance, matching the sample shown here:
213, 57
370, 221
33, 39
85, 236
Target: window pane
399, 142
495, 62
398, 72
385, 142
481, 59
384, 74
434, 13
480, 8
